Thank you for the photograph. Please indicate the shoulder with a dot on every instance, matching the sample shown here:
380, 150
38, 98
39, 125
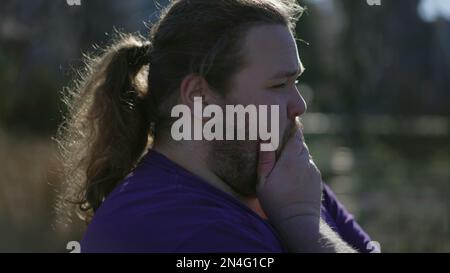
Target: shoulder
165, 217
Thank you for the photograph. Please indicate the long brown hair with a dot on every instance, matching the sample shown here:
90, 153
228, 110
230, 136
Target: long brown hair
124, 94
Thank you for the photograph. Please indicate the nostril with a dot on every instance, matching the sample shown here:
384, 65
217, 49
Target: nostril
296, 108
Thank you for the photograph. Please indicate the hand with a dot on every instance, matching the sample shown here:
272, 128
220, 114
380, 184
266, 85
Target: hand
290, 186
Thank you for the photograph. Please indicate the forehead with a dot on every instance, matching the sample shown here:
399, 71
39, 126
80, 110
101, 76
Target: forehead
269, 49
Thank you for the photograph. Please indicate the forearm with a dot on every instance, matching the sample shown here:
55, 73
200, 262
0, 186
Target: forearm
333, 240
311, 234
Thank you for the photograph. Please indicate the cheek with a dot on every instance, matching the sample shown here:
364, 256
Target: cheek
276, 125
246, 90
251, 95
240, 90
284, 123
248, 96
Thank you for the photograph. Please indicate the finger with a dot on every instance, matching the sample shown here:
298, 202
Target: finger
266, 162
293, 147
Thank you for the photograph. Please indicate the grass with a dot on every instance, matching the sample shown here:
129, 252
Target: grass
27, 195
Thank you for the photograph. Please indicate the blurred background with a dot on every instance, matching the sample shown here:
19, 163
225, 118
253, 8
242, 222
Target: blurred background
378, 124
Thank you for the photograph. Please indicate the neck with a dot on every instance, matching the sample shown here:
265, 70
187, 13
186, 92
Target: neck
192, 157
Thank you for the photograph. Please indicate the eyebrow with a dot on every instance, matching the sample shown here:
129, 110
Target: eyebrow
288, 74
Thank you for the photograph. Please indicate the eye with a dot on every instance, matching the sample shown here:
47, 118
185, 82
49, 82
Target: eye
282, 85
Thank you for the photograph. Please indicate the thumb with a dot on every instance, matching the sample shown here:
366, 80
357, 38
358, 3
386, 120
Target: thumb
266, 163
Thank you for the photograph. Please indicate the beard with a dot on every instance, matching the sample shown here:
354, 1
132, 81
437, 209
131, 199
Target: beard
236, 161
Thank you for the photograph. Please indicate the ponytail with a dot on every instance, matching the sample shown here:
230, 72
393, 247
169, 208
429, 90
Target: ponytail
107, 129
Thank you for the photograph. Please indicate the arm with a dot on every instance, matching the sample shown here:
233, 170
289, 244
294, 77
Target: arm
290, 192
308, 234
337, 216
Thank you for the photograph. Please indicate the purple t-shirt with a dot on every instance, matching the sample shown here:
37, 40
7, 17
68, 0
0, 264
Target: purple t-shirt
161, 207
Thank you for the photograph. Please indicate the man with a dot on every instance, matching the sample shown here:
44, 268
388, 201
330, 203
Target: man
229, 195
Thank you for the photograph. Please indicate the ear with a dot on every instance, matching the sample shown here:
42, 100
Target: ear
193, 86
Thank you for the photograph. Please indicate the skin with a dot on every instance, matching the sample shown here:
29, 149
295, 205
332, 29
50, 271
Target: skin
283, 186
268, 50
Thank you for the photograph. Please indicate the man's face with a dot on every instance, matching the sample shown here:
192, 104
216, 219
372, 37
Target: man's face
268, 78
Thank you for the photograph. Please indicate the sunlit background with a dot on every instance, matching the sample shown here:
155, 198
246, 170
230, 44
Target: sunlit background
377, 86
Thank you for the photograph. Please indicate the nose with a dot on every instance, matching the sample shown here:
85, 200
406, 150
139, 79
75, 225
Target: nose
296, 106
